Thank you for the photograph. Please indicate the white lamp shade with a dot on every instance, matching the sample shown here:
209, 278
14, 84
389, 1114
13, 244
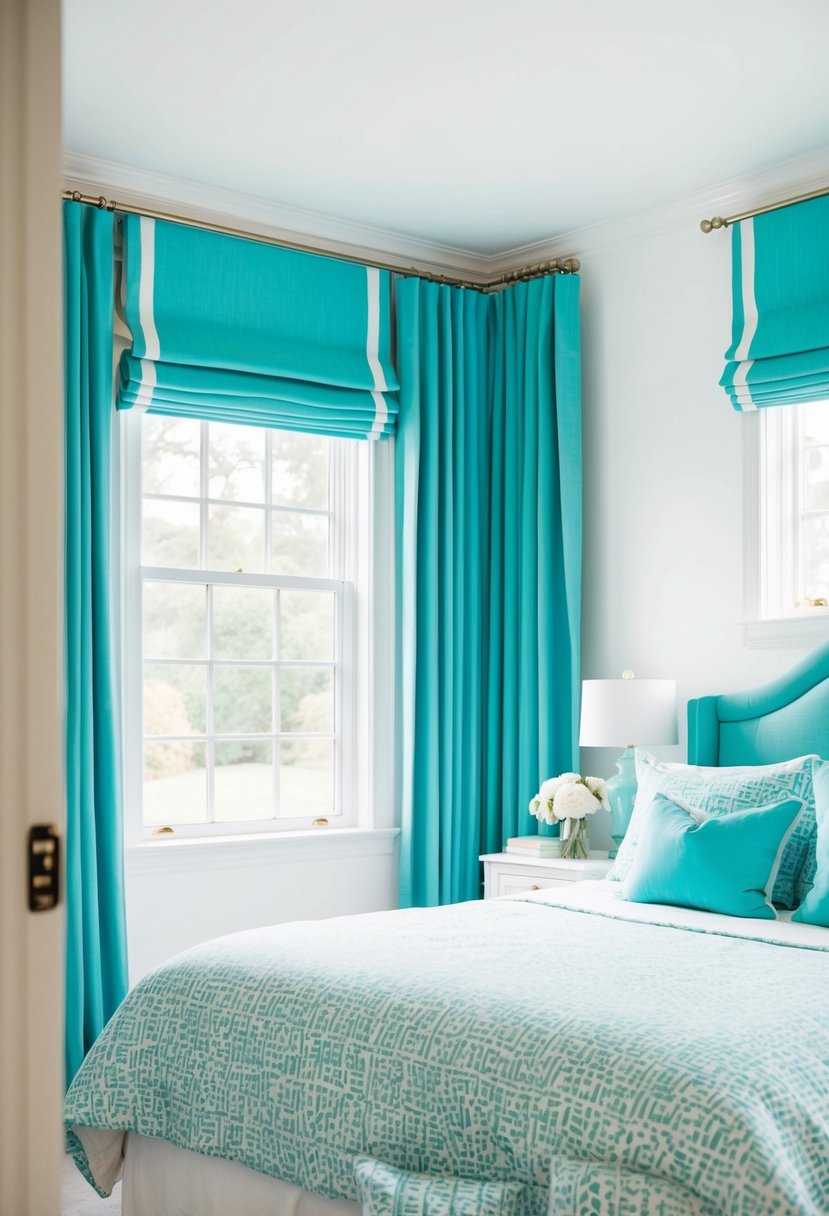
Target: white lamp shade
623, 713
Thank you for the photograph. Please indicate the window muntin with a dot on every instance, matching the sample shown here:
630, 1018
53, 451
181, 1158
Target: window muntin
245, 627
812, 432
793, 540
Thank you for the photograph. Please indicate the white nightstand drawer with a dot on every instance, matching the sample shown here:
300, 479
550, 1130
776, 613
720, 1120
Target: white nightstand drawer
512, 882
508, 874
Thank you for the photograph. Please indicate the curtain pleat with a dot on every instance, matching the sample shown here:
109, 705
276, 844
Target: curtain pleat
488, 520
96, 956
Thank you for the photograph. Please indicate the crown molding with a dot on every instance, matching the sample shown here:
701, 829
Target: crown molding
327, 234
313, 229
728, 198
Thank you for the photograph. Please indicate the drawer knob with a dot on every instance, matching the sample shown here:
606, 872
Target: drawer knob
535, 887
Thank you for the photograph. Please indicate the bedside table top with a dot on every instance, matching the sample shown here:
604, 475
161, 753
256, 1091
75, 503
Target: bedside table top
596, 866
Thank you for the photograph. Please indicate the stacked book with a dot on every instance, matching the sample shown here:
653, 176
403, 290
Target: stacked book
534, 846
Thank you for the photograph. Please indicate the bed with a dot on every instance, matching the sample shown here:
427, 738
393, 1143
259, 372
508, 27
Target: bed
609, 1057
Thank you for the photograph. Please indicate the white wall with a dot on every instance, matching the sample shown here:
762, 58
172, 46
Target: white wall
662, 472
179, 895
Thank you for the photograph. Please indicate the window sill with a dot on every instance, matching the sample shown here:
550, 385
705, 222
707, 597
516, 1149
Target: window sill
260, 849
807, 629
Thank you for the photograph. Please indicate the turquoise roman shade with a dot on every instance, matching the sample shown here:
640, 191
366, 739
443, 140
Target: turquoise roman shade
779, 353
233, 330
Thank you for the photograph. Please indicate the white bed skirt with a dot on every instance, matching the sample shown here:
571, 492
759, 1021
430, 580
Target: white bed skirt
159, 1179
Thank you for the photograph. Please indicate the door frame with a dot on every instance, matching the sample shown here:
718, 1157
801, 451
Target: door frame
31, 599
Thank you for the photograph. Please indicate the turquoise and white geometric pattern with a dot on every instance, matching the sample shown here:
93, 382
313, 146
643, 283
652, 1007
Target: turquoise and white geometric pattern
721, 791
385, 1191
806, 877
481, 1041
579, 1188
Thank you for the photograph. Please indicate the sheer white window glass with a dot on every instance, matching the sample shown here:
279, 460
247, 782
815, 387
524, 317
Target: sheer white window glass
787, 512
251, 541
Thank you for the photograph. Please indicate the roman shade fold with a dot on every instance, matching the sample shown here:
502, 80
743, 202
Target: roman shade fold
232, 330
779, 353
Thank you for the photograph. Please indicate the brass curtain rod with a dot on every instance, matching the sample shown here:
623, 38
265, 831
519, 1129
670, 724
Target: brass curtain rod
552, 266
718, 221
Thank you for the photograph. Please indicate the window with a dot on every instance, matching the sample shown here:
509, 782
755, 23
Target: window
243, 710
787, 473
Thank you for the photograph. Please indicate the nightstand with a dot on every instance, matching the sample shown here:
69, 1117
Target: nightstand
508, 874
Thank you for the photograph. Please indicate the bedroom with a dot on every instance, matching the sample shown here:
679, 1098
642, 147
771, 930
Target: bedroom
669, 502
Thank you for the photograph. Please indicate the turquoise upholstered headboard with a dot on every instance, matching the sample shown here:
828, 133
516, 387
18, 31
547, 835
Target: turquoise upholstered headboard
786, 718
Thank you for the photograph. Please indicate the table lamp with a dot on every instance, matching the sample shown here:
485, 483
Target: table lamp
626, 713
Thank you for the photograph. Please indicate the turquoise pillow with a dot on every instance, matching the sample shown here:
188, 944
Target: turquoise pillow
386, 1191
815, 907
721, 792
727, 865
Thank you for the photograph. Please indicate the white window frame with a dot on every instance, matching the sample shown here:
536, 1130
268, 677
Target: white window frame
364, 703
775, 613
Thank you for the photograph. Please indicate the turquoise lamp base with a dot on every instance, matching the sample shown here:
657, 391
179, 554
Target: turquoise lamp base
621, 792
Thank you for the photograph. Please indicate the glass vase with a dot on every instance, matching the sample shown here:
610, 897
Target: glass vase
575, 840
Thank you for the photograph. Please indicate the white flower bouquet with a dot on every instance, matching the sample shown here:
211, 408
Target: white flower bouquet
569, 799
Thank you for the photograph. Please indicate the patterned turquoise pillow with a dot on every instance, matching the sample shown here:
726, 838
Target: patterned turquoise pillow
386, 1191
721, 791
583, 1188
814, 909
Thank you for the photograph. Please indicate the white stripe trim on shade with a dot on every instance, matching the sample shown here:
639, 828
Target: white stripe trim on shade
740, 382
144, 397
381, 415
747, 285
146, 315
373, 327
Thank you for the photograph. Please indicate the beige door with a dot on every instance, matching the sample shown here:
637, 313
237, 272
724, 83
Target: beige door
31, 545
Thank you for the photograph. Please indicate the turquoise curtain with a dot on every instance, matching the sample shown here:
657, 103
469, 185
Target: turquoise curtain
232, 330
96, 953
488, 527
779, 353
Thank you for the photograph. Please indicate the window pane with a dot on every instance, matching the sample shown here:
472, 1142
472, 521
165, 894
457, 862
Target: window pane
816, 557
307, 698
175, 783
243, 780
175, 697
816, 480
299, 544
236, 539
300, 470
242, 623
174, 617
306, 777
306, 624
816, 422
242, 700
170, 456
170, 533
236, 462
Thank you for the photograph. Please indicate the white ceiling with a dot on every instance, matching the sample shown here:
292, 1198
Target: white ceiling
479, 124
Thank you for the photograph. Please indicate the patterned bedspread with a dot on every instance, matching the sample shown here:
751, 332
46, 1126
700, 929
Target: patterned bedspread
487, 1040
